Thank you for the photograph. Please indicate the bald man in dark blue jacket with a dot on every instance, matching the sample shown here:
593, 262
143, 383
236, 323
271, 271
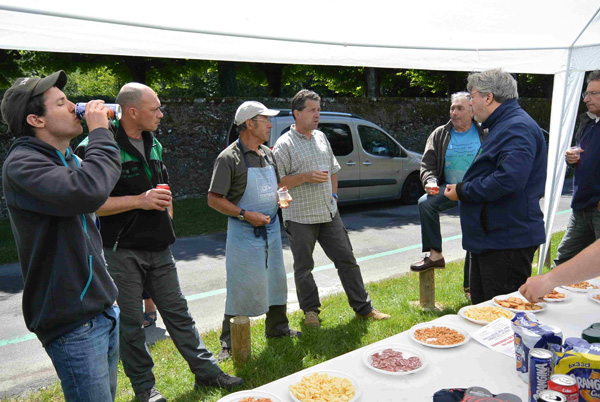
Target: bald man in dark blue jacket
499, 197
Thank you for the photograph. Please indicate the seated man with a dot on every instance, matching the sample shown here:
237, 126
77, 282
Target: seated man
449, 152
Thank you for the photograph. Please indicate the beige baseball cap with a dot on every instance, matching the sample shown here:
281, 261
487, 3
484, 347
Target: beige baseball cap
251, 109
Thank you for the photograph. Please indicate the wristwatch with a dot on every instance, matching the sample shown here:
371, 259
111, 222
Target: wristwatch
241, 215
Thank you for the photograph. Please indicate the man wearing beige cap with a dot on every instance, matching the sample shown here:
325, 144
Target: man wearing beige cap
244, 187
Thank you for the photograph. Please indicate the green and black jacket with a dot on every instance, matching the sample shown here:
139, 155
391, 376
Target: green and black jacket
137, 229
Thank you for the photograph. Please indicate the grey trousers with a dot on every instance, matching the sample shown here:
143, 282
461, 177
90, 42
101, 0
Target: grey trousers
154, 271
333, 238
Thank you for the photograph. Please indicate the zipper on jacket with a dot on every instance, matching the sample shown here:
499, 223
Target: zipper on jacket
84, 223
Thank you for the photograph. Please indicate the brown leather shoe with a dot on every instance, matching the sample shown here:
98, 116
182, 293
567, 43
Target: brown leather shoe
376, 315
426, 264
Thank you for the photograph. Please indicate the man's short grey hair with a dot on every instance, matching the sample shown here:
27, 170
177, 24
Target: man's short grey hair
131, 94
593, 76
497, 82
240, 128
460, 95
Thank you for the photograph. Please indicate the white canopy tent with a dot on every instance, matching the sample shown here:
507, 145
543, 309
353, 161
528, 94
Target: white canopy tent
521, 36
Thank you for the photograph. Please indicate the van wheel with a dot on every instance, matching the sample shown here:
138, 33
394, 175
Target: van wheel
412, 189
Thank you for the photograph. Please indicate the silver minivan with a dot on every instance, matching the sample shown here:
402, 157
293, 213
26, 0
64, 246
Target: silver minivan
374, 166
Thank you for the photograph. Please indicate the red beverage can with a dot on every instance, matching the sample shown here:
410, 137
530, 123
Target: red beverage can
163, 186
566, 385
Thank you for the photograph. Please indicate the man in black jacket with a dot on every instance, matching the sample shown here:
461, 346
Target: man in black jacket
137, 230
51, 196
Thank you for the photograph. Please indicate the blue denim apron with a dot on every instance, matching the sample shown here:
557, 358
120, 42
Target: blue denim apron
256, 276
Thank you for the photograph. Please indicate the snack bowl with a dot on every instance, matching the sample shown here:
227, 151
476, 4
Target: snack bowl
542, 305
559, 290
590, 288
462, 312
238, 396
430, 325
407, 352
332, 373
592, 296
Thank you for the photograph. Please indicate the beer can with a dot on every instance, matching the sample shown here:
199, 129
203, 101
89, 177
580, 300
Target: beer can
566, 385
115, 110
163, 186
551, 396
540, 371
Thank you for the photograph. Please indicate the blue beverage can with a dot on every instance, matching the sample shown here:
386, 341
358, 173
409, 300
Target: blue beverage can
541, 365
115, 110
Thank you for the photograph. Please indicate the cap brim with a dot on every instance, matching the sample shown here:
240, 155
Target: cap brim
57, 79
269, 112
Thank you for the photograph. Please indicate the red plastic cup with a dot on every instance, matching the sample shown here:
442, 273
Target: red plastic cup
163, 186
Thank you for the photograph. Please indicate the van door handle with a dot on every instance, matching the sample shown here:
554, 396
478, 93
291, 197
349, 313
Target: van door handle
367, 163
350, 163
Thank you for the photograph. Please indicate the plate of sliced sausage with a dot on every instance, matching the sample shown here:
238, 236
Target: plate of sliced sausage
394, 359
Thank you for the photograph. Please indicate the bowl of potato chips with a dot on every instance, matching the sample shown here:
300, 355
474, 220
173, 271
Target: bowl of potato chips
324, 385
483, 315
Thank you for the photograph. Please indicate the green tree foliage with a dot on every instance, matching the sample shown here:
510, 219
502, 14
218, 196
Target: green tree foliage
103, 75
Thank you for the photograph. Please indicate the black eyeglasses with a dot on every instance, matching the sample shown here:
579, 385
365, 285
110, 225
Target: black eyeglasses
592, 93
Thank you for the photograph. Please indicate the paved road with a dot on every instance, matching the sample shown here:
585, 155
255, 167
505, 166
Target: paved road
386, 239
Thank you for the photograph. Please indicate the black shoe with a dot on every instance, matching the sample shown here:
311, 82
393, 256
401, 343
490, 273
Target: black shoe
291, 333
150, 395
224, 354
223, 380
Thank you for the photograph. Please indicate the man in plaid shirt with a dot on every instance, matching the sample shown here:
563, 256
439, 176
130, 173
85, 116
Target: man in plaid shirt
309, 170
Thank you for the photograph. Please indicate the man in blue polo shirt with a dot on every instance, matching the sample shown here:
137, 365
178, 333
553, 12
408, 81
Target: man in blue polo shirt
584, 226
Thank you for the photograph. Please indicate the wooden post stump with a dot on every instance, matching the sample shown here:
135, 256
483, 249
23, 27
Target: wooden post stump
427, 289
241, 345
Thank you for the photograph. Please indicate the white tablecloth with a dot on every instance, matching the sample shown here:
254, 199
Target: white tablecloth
471, 364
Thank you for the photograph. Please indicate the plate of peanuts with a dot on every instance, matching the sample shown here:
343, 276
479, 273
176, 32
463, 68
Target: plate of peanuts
439, 336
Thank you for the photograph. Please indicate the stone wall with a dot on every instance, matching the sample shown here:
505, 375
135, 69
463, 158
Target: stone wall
194, 131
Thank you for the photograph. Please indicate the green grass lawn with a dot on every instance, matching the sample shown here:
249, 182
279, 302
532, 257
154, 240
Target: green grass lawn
272, 359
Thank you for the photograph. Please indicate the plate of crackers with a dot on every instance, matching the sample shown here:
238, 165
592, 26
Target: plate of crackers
483, 315
324, 385
557, 295
439, 336
518, 304
583, 287
594, 296
250, 396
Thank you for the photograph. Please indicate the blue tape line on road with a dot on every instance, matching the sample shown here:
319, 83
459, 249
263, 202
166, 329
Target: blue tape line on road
290, 275
27, 337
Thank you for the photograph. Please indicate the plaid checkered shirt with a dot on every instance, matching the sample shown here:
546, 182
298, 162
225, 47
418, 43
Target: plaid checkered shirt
294, 153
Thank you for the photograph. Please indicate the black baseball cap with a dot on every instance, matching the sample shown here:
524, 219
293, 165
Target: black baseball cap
16, 97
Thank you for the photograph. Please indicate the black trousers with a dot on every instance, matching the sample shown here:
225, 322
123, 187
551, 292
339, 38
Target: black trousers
499, 272
276, 324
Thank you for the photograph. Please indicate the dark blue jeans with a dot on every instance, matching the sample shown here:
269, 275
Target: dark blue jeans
430, 207
583, 229
86, 359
